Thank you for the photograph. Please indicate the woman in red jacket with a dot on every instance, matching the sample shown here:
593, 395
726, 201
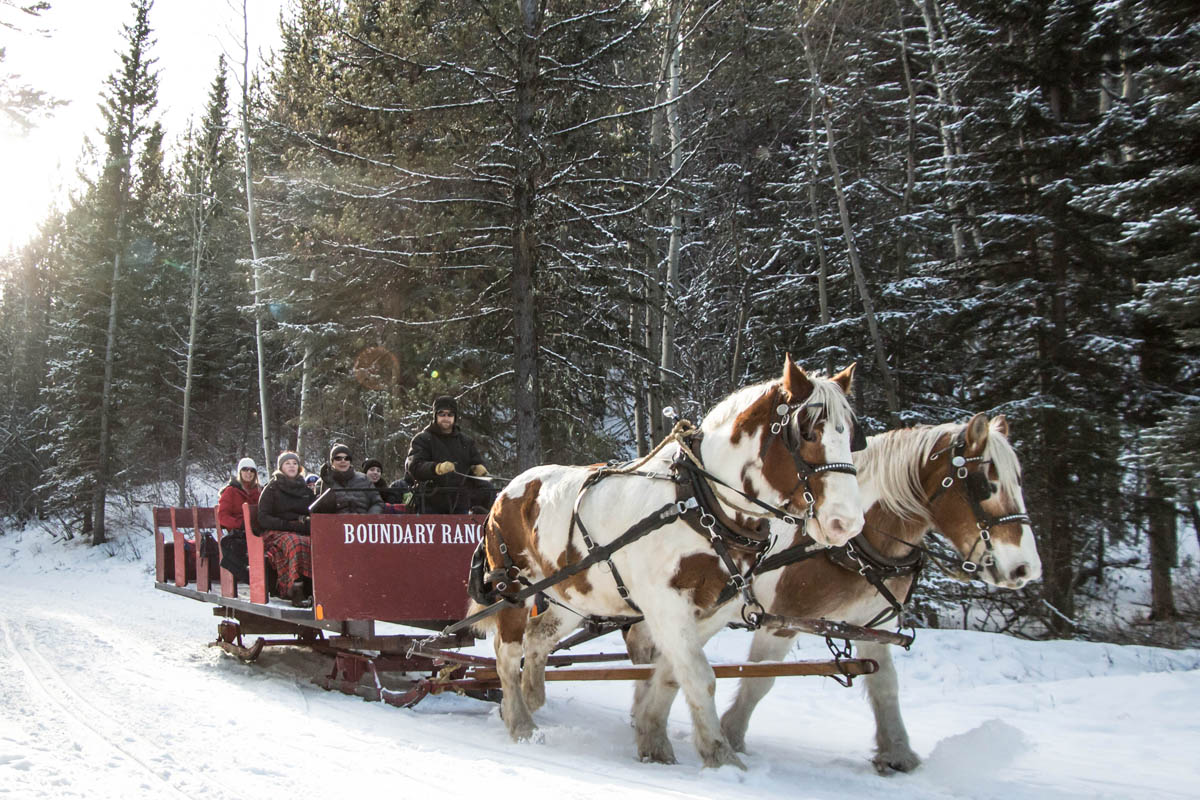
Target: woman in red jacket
243, 488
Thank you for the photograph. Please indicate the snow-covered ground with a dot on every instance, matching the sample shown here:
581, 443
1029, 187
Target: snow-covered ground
108, 690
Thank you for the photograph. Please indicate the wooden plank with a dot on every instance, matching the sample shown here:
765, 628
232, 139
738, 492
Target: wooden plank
834, 629
254, 549
764, 669
180, 551
160, 554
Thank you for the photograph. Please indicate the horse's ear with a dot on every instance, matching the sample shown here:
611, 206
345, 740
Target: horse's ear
1000, 423
845, 379
794, 382
976, 434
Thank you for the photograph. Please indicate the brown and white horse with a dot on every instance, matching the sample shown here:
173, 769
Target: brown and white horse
785, 443
963, 481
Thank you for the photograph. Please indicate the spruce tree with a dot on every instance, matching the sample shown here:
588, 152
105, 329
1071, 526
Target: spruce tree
86, 388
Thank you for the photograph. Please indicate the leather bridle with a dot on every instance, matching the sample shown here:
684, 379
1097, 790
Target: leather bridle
958, 474
787, 427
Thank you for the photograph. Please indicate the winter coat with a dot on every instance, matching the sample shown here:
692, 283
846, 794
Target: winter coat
229, 507
431, 447
284, 504
363, 499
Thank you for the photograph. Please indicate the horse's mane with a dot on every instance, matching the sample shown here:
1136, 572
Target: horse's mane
894, 459
826, 400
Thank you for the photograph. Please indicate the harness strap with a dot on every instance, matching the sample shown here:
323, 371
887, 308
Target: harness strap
652, 522
622, 590
803, 550
873, 572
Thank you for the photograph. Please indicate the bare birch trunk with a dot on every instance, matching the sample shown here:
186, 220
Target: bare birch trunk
948, 147
655, 277
263, 397
814, 209
305, 385
885, 372
527, 388
199, 225
671, 289
100, 499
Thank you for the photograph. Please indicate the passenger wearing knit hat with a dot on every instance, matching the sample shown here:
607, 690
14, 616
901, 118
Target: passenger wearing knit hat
286, 455
284, 516
377, 478
353, 492
243, 488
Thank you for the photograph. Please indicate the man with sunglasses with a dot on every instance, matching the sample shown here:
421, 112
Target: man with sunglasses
353, 492
448, 465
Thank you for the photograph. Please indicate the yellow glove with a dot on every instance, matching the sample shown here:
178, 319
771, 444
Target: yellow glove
479, 470
444, 467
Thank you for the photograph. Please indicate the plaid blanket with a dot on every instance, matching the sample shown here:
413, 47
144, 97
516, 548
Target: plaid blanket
291, 556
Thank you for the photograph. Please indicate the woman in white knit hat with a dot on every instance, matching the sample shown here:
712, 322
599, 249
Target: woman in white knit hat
244, 488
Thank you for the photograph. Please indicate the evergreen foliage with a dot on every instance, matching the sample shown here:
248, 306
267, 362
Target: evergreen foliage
571, 216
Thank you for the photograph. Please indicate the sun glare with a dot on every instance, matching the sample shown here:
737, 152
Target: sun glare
31, 171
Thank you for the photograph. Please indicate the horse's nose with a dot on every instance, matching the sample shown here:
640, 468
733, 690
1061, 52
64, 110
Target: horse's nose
1022, 574
843, 528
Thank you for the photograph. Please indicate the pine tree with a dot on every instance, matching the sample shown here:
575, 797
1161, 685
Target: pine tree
27, 293
471, 214
1045, 286
86, 386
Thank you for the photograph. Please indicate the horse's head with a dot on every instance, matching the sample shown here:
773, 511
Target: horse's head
790, 440
972, 478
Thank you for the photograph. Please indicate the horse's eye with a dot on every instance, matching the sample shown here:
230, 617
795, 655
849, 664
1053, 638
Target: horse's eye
980, 486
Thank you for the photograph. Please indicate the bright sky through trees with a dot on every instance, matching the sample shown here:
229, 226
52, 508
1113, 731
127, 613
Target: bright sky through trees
75, 51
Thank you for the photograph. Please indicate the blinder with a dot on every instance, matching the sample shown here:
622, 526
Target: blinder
978, 486
858, 437
789, 425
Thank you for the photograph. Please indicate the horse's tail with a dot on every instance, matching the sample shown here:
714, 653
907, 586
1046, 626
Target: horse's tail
479, 586
485, 626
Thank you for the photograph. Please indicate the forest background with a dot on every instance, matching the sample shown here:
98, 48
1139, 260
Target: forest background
571, 215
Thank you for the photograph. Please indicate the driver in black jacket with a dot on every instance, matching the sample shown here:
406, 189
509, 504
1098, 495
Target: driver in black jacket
443, 457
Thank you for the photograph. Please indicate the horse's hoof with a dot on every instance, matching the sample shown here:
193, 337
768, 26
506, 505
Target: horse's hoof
891, 763
659, 752
523, 732
722, 755
657, 758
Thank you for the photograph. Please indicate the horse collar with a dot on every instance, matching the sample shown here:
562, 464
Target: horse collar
860, 556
